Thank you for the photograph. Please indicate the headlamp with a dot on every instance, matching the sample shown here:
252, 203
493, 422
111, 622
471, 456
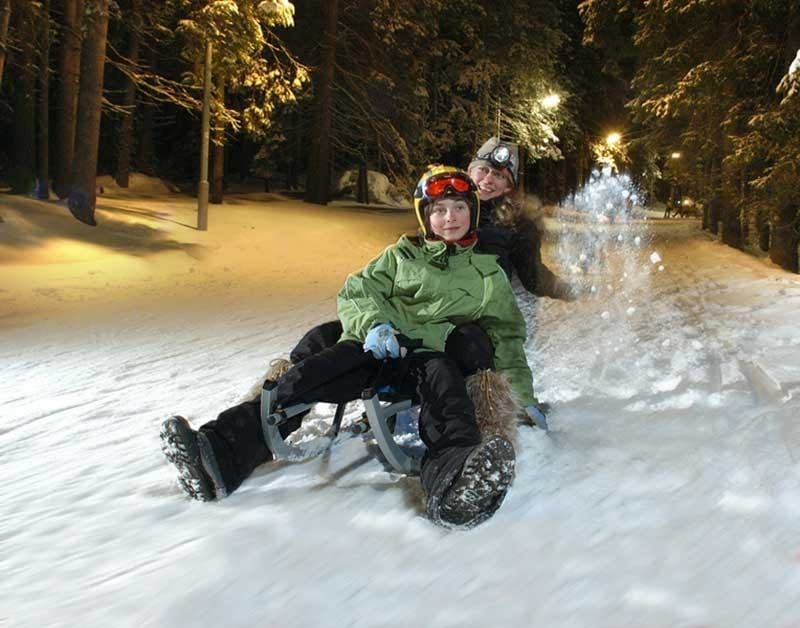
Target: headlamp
499, 156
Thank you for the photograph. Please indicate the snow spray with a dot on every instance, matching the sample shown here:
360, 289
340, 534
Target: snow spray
604, 250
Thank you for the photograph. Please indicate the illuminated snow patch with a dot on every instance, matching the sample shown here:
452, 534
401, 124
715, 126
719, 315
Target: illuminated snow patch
680, 402
641, 596
734, 502
667, 384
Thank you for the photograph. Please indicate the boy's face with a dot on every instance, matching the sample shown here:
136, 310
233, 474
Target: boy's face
449, 218
491, 182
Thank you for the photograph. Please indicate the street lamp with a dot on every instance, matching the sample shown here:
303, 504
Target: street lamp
675, 192
613, 138
551, 101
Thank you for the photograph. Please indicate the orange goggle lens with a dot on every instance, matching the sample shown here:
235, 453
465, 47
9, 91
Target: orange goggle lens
438, 186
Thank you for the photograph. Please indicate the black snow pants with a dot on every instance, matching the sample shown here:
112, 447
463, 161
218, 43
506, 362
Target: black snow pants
339, 373
468, 344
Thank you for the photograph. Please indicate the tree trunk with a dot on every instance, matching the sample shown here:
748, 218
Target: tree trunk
43, 153
218, 167
362, 184
82, 196
23, 173
786, 237
731, 224
5, 18
318, 183
146, 149
129, 99
792, 34
69, 63
218, 155
295, 153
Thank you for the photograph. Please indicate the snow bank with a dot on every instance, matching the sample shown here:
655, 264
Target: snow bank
138, 183
381, 191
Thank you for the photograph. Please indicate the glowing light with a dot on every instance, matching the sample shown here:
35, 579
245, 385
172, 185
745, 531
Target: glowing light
613, 138
551, 101
676, 155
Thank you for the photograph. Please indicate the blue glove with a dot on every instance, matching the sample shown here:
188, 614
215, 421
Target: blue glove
536, 414
381, 341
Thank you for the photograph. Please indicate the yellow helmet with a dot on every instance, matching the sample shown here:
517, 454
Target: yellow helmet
445, 181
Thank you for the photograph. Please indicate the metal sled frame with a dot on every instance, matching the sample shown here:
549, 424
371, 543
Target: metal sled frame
379, 412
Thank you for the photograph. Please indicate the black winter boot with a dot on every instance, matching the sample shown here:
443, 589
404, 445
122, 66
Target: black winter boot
190, 451
477, 491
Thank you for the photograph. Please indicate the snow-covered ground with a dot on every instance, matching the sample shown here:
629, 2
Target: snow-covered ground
667, 493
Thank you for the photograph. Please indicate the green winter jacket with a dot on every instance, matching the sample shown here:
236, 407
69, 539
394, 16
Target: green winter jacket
425, 288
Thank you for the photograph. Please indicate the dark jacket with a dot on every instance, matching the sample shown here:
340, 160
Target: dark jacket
505, 231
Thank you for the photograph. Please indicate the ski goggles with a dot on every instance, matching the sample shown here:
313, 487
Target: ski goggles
436, 186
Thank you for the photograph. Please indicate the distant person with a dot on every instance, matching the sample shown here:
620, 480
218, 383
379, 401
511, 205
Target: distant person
410, 297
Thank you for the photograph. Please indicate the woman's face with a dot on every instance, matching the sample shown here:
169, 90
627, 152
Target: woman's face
491, 182
449, 218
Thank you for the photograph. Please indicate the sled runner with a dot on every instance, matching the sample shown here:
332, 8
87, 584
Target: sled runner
380, 409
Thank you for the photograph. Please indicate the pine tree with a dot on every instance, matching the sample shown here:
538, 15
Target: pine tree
135, 24
5, 18
23, 68
43, 115
319, 180
257, 68
423, 81
69, 57
82, 195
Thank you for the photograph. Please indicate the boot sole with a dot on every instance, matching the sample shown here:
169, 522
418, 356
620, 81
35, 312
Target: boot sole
179, 445
479, 490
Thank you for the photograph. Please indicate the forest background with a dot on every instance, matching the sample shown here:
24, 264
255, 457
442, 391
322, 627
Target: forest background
703, 94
